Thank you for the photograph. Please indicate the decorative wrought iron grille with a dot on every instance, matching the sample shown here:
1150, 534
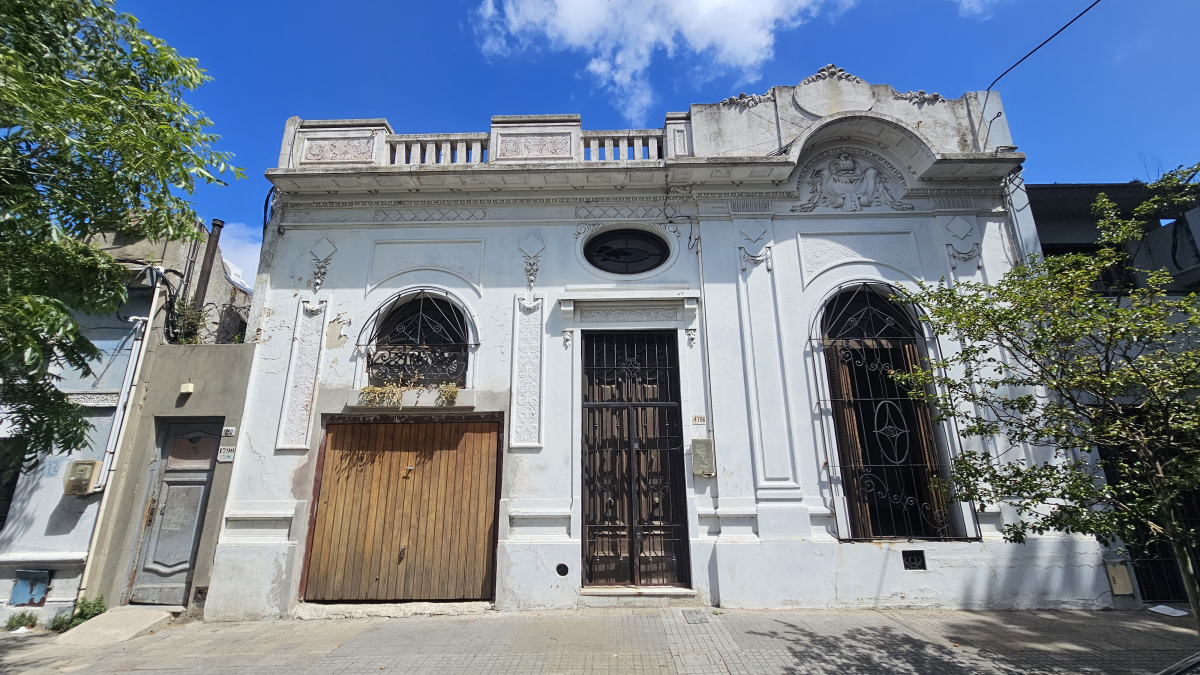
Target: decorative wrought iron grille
423, 339
634, 510
889, 458
1157, 571
626, 251
1154, 561
215, 323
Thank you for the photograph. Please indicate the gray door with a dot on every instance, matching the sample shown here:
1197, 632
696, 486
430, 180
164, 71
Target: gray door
176, 514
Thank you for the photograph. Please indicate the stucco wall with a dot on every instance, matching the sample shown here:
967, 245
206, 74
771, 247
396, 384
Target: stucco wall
759, 242
219, 374
49, 530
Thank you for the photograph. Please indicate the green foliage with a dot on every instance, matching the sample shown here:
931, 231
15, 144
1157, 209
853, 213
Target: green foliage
41, 282
84, 609
23, 618
189, 321
1047, 369
95, 137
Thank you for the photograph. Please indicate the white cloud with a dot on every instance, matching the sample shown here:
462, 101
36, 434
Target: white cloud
623, 36
240, 244
980, 8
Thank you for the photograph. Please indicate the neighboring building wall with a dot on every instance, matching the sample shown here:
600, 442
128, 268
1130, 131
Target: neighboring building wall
47, 530
227, 299
1066, 224
1063, 212
219, 374
764, 220
1174, 247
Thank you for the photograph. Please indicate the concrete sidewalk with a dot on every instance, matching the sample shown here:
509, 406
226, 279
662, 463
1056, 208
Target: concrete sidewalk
666, 640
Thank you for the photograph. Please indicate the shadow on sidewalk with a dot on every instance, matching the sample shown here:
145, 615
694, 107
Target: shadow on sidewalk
995, 643
876, 650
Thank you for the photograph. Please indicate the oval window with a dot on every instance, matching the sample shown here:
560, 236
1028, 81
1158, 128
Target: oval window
626, 251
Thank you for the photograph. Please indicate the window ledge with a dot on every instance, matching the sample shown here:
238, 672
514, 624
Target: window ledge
423, 399
639, 591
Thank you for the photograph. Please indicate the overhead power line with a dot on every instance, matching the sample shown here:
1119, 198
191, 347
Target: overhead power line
1031, 53
1068, 25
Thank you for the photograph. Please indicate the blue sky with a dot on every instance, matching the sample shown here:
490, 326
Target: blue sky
1111, 99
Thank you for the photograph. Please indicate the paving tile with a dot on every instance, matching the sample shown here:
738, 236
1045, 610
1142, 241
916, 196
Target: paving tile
645, 640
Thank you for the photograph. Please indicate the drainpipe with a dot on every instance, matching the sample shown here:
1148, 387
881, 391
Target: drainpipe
113, 449
1011, 225
185, 284
714, 590
131, 367
210, 254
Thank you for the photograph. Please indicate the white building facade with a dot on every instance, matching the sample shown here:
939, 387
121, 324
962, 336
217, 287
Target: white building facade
603, 365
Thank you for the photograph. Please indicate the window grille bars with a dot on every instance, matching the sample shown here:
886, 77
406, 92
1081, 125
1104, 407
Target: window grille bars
890, 462
634, 486
424, 339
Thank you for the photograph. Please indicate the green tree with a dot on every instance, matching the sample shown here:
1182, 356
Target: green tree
95, 137
1056, 362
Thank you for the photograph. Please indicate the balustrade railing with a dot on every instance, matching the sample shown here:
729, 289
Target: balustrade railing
412, 149
623, 145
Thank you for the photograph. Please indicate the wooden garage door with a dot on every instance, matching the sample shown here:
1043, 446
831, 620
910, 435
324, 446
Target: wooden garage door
405, 512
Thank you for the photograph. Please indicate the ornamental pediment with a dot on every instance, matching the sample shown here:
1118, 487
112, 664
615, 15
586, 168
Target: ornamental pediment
850, 180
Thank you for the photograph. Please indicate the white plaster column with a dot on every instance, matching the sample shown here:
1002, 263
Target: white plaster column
527, 377
728, 416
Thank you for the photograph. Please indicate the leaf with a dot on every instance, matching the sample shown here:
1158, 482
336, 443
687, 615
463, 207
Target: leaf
96, 137
1099, 381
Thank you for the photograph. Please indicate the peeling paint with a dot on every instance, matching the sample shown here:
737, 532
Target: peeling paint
782, 555
334, 337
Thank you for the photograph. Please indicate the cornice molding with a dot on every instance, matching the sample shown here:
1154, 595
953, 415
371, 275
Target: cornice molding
107, 399
954, 192
514, 201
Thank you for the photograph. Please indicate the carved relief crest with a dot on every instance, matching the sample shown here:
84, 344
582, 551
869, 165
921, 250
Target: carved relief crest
531, 247
746, 102
831, 72
322, 253
832, 90
627, 314
964, 256
534, 145
918, 97
846, 183
339, 150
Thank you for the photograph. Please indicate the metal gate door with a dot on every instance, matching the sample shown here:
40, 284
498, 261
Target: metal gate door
176, 514
633, 481
405, 512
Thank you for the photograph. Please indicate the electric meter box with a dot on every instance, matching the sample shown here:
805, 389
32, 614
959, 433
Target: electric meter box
704, 461
82, 477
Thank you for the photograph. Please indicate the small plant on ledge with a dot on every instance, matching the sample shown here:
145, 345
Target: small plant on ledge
391, 395
386, 396
447, 394
189, 322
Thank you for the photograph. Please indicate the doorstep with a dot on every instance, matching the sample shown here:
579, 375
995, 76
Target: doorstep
639, 591
174, 609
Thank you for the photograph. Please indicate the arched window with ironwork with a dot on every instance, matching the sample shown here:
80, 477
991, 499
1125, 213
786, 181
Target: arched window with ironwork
421, 339
886, 445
